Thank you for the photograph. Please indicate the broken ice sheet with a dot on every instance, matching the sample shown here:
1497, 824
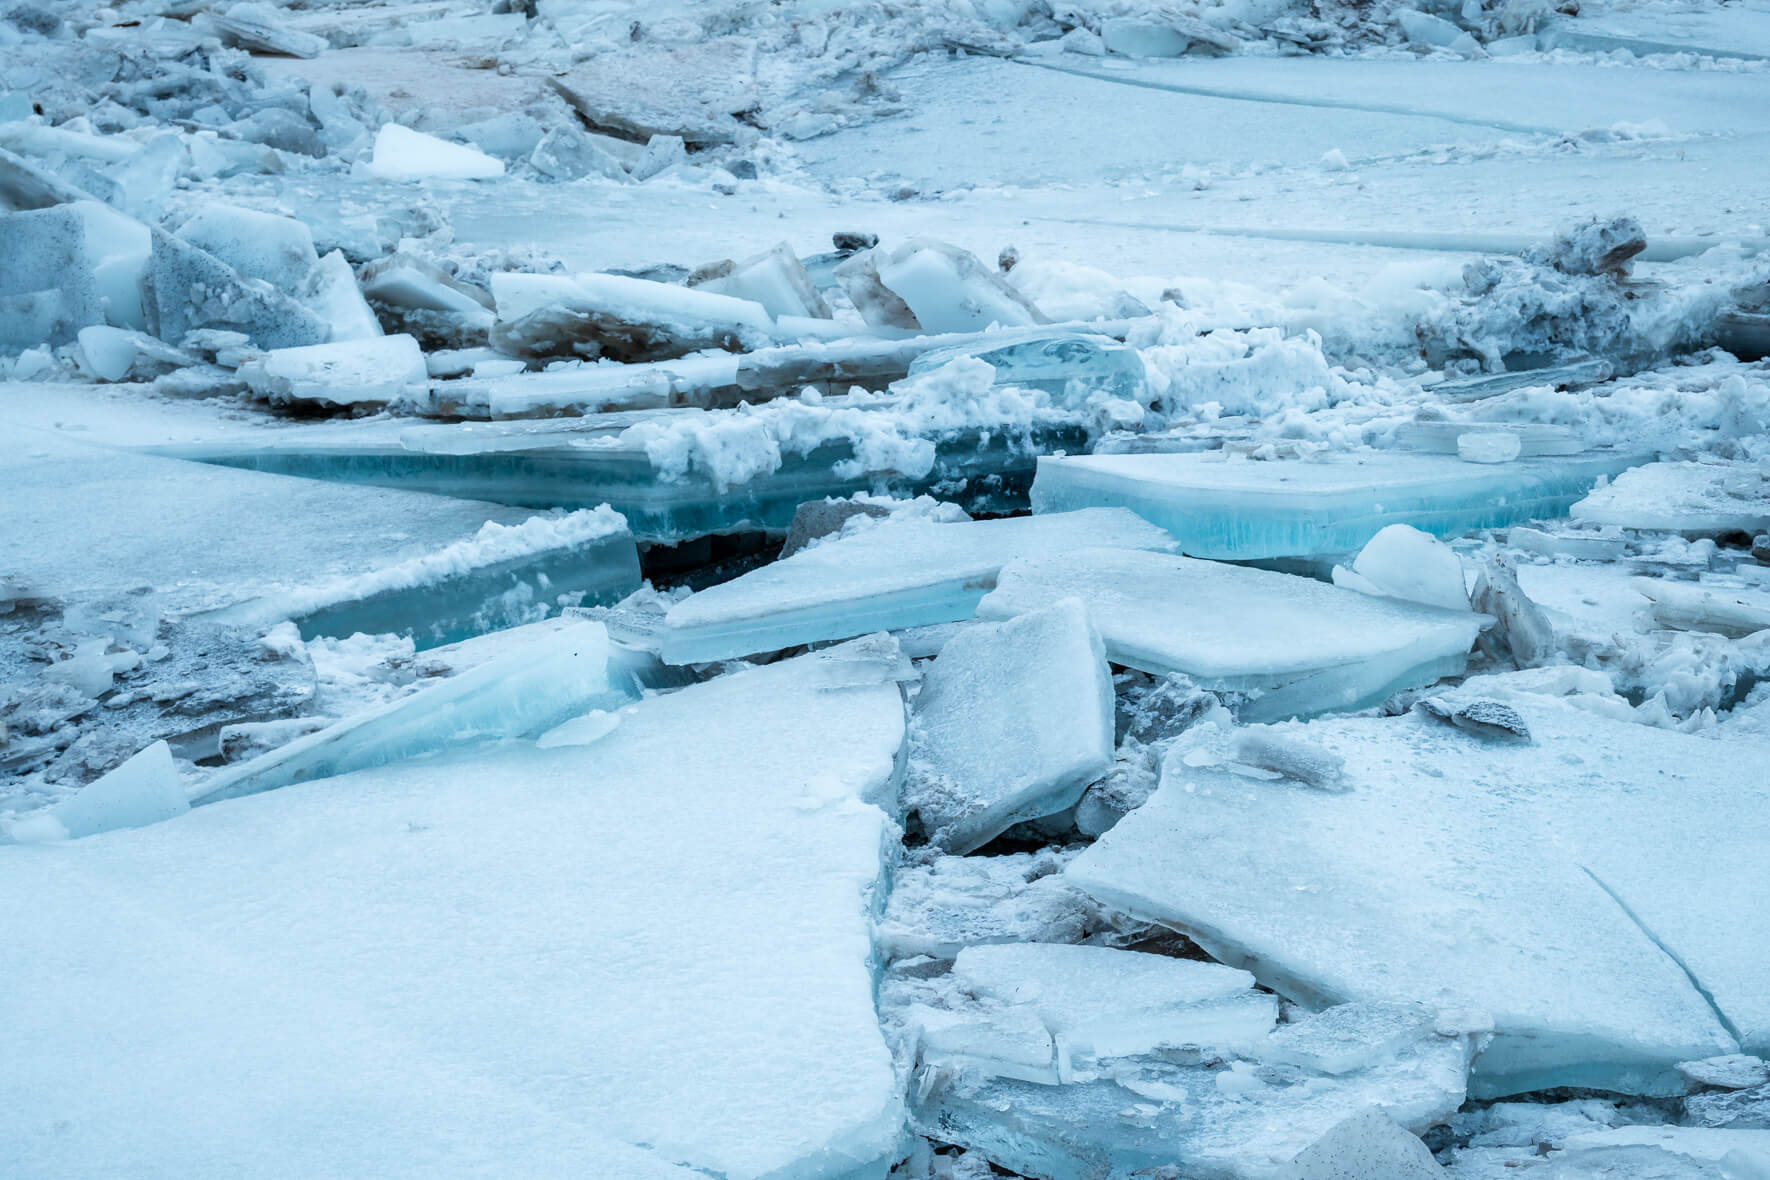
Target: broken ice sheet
380, 971
896, 574
1457, 872
1296, 646
1694, 498
625, 319
1013, 721
951, 902
1239, 510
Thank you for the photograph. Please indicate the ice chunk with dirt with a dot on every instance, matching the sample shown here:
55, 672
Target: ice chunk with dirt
897, 574
372, 371
1292, 645
566, 153
624, 319
1402, 562
278, 250
1461, 873
949, 290
404, 154
558, 675
1236, 509
279, 1022
1013, 722
1699, 499
144, 790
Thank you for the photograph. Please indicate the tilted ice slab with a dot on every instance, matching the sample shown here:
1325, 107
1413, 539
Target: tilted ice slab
1685, 498
1013, 722
558, 675
1299, 646
1574, 887
897, 574
521, 963
1207, 1113
337, 559
1240, 510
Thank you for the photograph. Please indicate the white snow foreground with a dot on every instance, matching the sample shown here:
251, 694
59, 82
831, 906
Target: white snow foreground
596, 960
1596, 890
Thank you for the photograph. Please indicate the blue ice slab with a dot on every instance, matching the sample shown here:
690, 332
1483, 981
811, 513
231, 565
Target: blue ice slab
1052, 362
584, 462
1234, 509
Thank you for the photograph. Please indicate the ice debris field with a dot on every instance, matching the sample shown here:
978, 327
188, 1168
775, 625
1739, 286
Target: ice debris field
857, 590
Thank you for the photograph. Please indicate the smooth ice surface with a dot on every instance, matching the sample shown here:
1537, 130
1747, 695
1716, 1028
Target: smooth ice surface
1402, 562
1014, 720
1300, 646
404, 154
521, 963
557, 676
894, 575
278, 250
1684, 497
949, 290
1237, 509
1573, 887
373, 370
142, 791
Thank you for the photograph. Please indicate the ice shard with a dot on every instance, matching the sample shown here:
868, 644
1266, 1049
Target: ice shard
1689, 497
949, 290
386, 973
144, 790
557, 675
1293, 645
1464, 873
894, 575
1013, 722
1233, 509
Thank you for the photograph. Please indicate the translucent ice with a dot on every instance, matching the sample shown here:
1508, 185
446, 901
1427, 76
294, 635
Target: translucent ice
372, 371
69, 266
1684, 497
894, 575
949, 290
1402, 562
404, 154
1234, 509
390, 973
1014, 720
144, 790
1056, 364
1463, 873
1295, 645
776, 279
278, 250
333, 295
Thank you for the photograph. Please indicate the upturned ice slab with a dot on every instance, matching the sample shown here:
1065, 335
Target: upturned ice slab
1241, 510
1298, 646
897, 574
1594, 891
527, 962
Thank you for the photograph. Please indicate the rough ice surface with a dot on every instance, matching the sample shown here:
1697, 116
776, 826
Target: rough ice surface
278, 250
939, 908
1226, 509
445, 1024
1053, 363
1448, 865
1700, 498
896, 574
1013, 721
1243, 630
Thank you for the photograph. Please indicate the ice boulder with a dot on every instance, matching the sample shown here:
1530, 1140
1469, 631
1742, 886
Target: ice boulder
1013, 722
278, 250
404, 154
1402, 562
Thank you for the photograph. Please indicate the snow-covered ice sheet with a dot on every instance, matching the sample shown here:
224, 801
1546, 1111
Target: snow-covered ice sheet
1296, 646
1685, 497
897, 574
1592, 891
601, 958
1013, 722
1227, 508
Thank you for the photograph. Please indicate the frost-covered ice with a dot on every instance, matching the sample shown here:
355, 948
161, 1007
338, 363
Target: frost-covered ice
896, 574
387, 973
1013, 721
1456, 872
371, 371
1699, 498
1219, 507
1293, 645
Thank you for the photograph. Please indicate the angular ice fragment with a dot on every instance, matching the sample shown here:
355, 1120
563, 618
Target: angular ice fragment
189, 289
1685, 607
278, 250
402, 280
1014, 720
526, 692
333, 295
878, 305
1297, 646
662, 153
142, 791
261, 27
621, 318
565, 153
1744, 1154
1461, 874
404, 154
949, 290
1241, 510
1366, 1146
776, 279
689, 92
1054, 363
940, 908
1402, 562
352, 975
1735, 1071
67, 267
374, 371
1692, 498
1141, 38
895, 575
1521, 625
